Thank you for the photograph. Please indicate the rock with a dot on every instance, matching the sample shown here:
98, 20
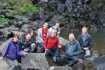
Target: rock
44, 0
10, 16
35, 61
18, 18
1, 34
84, 65
25, 20
4, 65
99, 63
25, 27
60, 68
2, 25
69, 5
61, 8
93, 28
19, 24
63, 41
87, 1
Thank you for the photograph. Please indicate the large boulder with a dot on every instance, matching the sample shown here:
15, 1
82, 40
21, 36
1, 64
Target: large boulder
63, 41
60, 68
35, 61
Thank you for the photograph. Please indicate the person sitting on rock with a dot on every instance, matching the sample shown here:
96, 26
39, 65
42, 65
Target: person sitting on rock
42, 35
56, 27
12, 52
25, 43
33, 39
52, 45
73, 49
85, 41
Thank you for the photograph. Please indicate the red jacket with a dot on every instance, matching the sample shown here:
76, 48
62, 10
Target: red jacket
51, 42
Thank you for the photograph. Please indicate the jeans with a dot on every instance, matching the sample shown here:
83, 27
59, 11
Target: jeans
40, 48
12, 63
66, 59
87, 53
53, 51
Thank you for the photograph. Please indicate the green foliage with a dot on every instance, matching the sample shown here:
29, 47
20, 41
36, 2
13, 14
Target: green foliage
2, 20
25, 7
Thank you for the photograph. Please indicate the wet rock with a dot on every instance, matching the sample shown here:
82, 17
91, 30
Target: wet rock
35, 61
85, 65
60, 68
99, 63
93, 28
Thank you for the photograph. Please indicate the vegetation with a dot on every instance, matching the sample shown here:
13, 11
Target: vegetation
20, 9
2, 20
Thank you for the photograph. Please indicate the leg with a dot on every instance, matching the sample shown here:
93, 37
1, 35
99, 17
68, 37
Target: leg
11, 63
87, 53
56, 51
65, 59
49, 52
40, 48
73, 61
15, 62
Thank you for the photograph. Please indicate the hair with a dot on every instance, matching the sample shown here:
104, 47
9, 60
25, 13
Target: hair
84, 28
72, 35
30, 29
15, 35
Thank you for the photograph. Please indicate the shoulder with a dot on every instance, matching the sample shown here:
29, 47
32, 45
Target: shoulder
77, 41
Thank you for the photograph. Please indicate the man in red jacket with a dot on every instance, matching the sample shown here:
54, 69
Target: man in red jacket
52, 45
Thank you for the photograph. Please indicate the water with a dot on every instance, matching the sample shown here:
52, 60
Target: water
98, 37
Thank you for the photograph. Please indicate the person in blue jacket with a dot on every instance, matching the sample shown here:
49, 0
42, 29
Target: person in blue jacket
73, 49
12, 51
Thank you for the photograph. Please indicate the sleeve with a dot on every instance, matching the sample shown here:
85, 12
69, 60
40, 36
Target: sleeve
90, 42
39, 35
78, 49
20, 53
45, 43
6, 49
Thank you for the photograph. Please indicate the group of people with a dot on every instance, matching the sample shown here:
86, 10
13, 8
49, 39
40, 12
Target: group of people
47, 41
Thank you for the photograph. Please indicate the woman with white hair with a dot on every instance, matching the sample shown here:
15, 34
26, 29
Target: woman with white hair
72, 51
52, 45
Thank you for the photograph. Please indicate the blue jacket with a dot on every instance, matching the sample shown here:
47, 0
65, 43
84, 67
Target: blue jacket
12, 51
73, 49
85, 41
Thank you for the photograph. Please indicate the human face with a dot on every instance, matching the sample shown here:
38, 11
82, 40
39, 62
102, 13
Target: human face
28, 37
53, 33
84, 31
57, 25
45, 25
16, 39
71, 38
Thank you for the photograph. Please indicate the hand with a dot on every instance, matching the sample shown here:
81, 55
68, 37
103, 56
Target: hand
25, 50
33, 44
86, 48
46, 50
25, 53
60, 46
1, 58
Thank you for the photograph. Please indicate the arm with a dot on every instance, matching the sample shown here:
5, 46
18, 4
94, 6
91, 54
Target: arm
78, 49
6, 49
90, 42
